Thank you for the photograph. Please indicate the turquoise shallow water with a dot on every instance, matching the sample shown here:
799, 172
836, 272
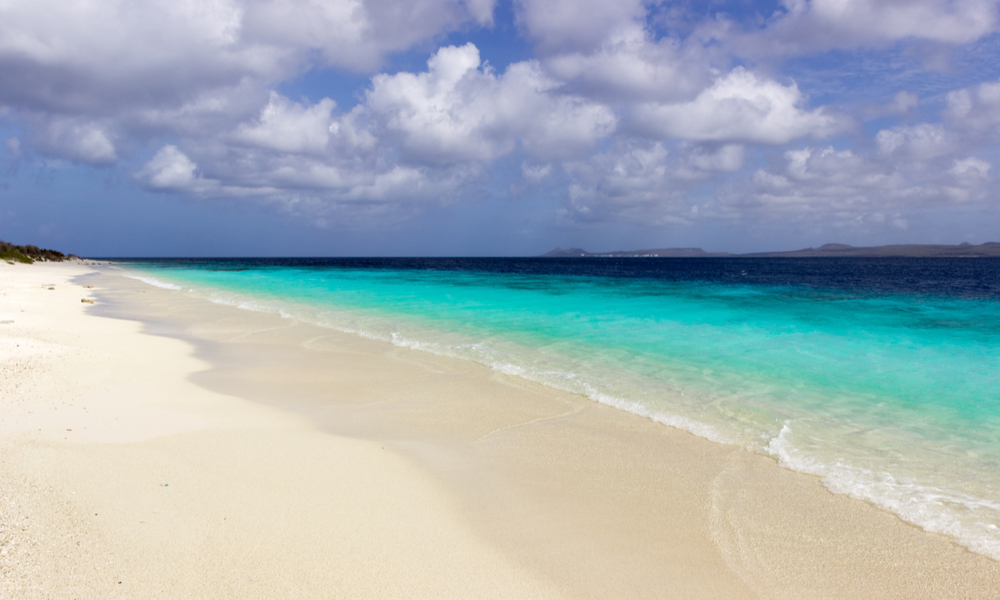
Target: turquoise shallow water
890, 393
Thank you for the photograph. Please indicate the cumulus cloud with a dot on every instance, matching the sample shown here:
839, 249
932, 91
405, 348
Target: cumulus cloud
77, 141
78, 54
815, 25
969, 179
617, 111
825, 183
357, 34
740, 107
457, 111
170, 170
168, 65
644, 180
415, 137
576, 25
976, 108
288, 126
971, 168
700, 161
841, 186
98, 57
630, 177
369, 178
445, 114
971, 120
916, 142
628, 66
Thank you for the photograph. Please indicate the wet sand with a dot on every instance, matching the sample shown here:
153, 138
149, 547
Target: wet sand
218, 452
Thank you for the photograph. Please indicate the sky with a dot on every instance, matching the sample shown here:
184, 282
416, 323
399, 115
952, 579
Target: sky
496, 127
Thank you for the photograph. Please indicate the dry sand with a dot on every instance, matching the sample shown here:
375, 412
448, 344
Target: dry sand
186, 449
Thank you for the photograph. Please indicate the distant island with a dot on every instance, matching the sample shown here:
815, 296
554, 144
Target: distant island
964, 250
659, 252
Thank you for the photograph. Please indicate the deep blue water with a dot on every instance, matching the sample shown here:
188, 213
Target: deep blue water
881, 375
976, 278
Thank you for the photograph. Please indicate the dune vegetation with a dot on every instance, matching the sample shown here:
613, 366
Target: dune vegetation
29, 254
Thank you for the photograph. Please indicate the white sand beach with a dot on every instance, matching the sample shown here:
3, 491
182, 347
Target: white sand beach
192, 450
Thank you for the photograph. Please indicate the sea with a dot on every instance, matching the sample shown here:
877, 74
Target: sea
880, 375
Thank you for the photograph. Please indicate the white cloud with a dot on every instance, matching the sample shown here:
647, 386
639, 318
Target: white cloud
817, 25
113, 42
632, 179
576, 25
740, 107
843, 187
824, 183
96, 57
916, 142
970, 178
446, 113
168, 65
976, 108
535, 173
288, 126
971, 168
354, 169
417, 137
357, 34
638, 121
725, 158
630, 67
170, 170
76, 141
458, 112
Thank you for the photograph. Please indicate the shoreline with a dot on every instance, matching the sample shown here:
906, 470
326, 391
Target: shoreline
566, 497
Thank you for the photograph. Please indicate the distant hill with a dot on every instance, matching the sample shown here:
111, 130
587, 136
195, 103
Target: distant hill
965, 250
913, 250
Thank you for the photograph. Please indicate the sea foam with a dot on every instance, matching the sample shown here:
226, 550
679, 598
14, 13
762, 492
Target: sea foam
153, 281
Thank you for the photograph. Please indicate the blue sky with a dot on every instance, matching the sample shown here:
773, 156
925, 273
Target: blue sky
485, 127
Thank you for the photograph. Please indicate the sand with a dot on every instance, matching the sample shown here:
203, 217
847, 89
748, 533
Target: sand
154, 445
